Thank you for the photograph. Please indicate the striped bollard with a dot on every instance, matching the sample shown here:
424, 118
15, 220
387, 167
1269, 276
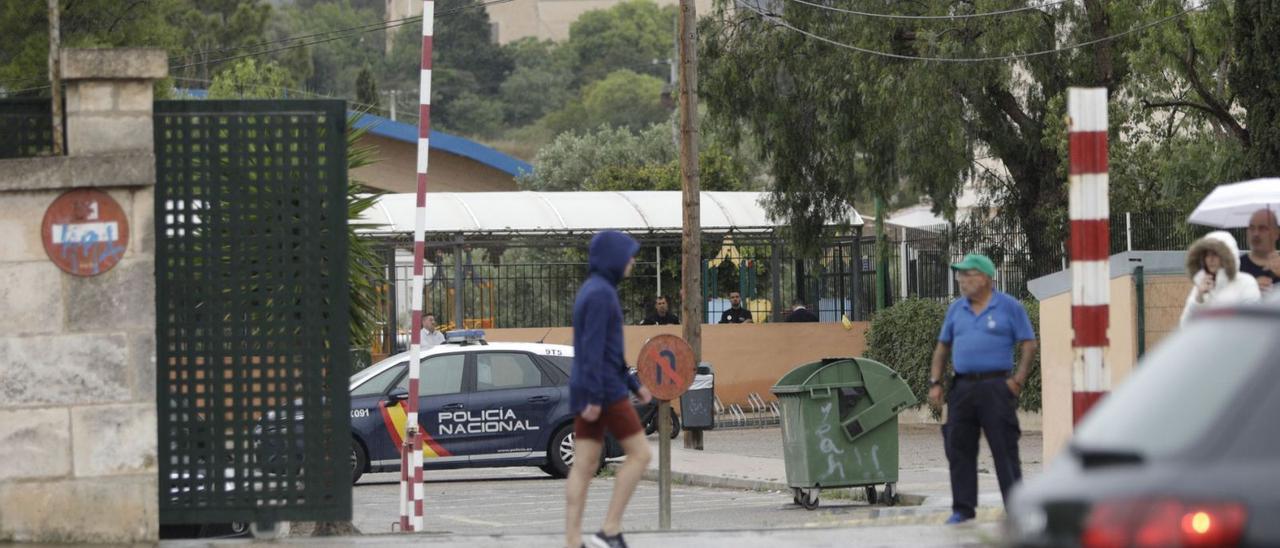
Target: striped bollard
1090, 246
412, 481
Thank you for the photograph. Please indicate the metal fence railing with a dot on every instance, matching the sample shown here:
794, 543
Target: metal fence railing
26, 127
525, 281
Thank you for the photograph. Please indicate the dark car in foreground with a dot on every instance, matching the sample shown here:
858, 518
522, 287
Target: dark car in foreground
1185, 453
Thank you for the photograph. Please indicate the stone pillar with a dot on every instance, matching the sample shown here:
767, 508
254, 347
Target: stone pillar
77, 354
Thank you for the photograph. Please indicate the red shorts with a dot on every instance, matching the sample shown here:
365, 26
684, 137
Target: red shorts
618, 417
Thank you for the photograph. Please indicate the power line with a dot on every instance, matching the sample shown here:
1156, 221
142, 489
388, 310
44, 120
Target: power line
382, 25
931, 17
1010, 57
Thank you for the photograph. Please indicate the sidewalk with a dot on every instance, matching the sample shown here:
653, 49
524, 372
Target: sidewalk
985, 534
751, 459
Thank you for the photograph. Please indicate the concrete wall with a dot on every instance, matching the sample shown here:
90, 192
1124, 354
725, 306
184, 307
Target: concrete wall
77, 355
1164, 297
396, 170
747, 357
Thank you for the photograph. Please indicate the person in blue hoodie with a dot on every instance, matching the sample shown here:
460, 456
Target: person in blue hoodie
599, 391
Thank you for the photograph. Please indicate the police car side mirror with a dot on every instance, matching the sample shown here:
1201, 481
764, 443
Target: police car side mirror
398, 395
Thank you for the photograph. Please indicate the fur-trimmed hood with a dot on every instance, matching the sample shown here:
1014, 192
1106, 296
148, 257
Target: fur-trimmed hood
1219, 242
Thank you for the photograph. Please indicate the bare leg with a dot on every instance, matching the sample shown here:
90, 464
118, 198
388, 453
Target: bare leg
638, 457
586, 459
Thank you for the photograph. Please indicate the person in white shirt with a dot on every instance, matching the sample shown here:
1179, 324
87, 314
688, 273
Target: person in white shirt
430, 335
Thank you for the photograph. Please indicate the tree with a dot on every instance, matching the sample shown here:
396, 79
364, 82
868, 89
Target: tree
572, 159
531, 93
330, 66
835, 123
24, 33
629, 35
366, 89
622, 159
247, 79
1253, 76
624, 99
468, 68
216, 29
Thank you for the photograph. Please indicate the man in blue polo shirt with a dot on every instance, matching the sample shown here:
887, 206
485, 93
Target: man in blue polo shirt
979, 335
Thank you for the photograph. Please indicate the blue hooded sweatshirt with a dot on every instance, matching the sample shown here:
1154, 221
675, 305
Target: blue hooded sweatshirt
599, 373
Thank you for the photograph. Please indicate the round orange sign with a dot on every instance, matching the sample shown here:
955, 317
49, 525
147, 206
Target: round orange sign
85, 232
666, 366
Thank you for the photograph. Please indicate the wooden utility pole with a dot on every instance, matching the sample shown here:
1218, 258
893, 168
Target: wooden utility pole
691, 245
55, 76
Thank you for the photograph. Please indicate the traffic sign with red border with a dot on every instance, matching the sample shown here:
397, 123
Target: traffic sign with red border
85, 232
666, 366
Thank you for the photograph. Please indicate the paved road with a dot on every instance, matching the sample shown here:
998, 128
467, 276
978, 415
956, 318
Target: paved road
920, 446
524, 501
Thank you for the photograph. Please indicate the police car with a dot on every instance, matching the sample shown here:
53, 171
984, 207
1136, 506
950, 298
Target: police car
480, 404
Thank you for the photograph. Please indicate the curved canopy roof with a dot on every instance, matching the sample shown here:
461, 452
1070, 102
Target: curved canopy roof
545, 212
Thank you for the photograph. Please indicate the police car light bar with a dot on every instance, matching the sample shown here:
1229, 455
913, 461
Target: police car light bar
465, 336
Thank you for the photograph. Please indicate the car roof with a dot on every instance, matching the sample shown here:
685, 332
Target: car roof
448, 348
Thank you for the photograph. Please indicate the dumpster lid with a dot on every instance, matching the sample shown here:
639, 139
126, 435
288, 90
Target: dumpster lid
805, 377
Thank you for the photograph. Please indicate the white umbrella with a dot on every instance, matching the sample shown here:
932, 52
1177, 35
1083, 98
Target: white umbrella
1230, 206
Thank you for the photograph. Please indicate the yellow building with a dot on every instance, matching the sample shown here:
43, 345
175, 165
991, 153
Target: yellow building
454, 164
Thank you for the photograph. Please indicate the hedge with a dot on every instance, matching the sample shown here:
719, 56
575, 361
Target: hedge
903, 337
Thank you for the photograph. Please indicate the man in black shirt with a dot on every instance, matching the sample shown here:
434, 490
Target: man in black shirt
661, 313
736, 313
800, 314
1262, 262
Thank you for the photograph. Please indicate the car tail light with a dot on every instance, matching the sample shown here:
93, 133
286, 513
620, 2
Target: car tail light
1164, 522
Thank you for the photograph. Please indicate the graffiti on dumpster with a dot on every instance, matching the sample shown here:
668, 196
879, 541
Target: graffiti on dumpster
827, 446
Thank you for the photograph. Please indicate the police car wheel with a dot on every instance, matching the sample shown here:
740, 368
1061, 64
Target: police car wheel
560, 456
359, 462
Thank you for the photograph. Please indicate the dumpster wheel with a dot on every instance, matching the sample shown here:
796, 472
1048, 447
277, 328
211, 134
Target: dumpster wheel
806, 498
890, 496
872, 499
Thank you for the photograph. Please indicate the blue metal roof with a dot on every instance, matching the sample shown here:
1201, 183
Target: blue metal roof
444, 142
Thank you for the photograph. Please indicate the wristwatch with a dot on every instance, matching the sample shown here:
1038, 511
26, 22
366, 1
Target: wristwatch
934, 382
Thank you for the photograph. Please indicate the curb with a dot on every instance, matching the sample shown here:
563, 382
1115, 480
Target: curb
720, 482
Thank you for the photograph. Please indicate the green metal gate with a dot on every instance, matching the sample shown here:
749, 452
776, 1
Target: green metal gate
251, 311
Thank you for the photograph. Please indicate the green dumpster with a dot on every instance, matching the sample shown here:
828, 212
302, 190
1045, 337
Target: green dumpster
840, 427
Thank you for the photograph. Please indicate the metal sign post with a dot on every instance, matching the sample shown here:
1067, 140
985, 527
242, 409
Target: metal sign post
411, 483
666, 367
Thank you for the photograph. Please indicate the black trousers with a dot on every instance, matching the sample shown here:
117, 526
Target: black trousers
987, 405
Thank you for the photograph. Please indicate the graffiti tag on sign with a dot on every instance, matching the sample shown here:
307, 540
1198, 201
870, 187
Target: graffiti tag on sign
666, 366
85, 232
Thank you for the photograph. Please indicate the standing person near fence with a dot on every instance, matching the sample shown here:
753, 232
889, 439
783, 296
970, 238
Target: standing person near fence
736, 313
1262, 262
599, 385
979, 334
662, 314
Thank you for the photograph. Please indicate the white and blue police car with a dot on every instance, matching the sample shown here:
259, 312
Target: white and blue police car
481, 404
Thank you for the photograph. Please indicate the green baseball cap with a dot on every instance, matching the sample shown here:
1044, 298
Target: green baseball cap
974, 261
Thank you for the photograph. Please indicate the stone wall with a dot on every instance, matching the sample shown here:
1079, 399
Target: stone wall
77, 354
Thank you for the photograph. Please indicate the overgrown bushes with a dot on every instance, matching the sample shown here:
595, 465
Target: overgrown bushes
903, 337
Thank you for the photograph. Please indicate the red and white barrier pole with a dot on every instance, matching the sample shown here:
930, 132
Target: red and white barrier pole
1090, 246
412, 481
